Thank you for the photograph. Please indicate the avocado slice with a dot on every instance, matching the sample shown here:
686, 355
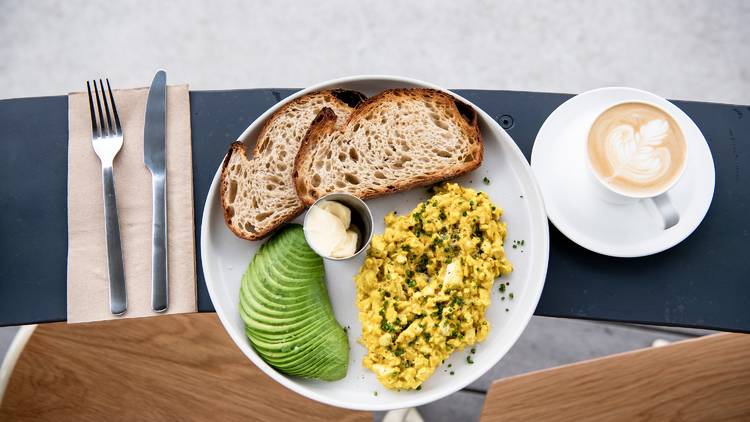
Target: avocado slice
287, 314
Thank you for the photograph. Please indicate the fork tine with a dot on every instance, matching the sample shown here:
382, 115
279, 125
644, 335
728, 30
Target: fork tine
99, 106
106, 109
94, 129
114, 108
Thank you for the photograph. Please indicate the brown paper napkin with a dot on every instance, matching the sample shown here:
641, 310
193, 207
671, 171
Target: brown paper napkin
88, 286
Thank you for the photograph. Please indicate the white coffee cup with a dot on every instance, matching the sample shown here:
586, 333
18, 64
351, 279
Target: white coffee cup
658, 196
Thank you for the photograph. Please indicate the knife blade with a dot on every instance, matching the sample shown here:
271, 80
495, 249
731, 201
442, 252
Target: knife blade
154, 156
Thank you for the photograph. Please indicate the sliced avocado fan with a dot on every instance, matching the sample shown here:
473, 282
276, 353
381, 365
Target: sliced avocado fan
288, 316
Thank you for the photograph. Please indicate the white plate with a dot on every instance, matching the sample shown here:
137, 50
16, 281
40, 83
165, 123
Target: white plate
570, 195
225, 258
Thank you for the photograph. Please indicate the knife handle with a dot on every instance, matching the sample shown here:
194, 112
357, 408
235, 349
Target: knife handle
159, 279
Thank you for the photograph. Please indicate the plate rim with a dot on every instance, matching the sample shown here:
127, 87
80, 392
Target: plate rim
537, 272
567, 228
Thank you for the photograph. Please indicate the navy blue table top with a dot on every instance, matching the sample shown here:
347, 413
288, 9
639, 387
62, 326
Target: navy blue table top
702, 282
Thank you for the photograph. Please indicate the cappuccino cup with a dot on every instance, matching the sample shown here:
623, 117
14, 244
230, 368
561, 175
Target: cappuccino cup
636, 151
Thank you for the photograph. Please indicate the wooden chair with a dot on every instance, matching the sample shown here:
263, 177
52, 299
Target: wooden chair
705, 379
182, 367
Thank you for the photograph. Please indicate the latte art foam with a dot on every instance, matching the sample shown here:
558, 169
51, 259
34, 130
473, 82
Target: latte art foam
636, 148
638, 156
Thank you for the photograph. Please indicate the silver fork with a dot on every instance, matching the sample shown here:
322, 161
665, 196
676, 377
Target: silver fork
107, 141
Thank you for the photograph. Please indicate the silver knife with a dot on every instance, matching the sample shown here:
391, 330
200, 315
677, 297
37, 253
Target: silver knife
154, 155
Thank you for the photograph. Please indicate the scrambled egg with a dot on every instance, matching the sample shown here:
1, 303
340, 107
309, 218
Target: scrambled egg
425, 285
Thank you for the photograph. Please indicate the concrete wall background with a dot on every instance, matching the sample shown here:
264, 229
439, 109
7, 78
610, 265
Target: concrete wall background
676, 48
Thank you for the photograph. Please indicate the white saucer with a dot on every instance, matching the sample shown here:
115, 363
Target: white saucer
573, 206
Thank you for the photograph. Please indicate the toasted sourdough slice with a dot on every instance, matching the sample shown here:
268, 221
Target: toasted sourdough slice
258, 194
393, 141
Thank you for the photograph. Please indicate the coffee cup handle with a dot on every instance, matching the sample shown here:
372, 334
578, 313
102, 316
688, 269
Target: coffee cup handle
666, 209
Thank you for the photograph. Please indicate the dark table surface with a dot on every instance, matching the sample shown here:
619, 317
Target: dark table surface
702, 282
